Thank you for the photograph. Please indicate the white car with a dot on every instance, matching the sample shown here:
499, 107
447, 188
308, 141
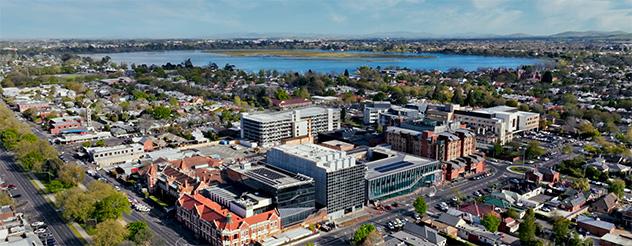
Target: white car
39, 231
37, 224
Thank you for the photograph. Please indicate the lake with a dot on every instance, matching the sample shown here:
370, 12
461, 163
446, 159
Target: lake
441, 62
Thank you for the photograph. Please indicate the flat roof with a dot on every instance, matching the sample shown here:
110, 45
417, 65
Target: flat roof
272, 176
394, 164
284, 115
395, 129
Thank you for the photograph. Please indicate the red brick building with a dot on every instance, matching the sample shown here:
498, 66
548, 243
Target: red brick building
219, 226
65, 124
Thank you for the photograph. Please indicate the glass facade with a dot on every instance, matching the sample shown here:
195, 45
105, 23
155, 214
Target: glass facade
403, 182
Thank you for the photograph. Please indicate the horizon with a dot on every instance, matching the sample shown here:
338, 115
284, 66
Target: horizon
164, 19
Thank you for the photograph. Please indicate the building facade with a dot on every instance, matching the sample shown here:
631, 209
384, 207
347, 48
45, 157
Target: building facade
268, 129
106, 156
399, 174
498, 124
339, 181
220, 226
292, 194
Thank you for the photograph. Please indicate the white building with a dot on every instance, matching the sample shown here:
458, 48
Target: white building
106, 156
372, 111
339, 182
269, 128
498, 124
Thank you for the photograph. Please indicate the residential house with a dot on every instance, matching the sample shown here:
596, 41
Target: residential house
606, 204
594, 226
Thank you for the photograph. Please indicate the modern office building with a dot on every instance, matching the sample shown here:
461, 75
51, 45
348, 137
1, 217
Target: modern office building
106, 156
398, 174
498, 124
338, 179
292, 194
268, 129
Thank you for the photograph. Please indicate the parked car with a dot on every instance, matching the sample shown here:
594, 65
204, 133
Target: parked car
38, 224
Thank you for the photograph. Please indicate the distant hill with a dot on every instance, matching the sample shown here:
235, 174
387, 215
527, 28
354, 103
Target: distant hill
592, 34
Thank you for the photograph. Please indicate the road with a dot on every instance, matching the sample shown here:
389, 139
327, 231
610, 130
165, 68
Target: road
37, 208
164, 227
381, 218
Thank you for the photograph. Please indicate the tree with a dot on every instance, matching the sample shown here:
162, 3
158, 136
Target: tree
362, 233
491, 222
76, 205
560, 230
380, 96
587, 130
374, 238
281, 94
54, 186
581, 184
458, 97
161, 112
139, 233
420, 206
302, 93
109, 233
617, 186
70, 174
526, 231
547, 77
112, 207
534, 150
511, 103
511, 212
5, 199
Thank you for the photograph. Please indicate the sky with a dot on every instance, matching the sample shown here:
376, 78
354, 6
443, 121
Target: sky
27, 19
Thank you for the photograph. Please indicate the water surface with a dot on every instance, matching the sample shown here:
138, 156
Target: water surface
441, 62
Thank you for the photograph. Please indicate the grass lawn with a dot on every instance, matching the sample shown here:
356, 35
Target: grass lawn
158, 201
519, 169
76, 233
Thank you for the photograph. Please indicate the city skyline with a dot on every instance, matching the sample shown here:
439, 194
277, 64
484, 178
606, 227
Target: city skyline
279, 18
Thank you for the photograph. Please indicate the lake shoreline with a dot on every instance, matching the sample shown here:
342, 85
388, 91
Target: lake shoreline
318, 54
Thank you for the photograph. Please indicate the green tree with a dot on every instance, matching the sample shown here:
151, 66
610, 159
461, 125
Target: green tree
491, 222
54, 186
161, 112
587, 130
100, 143
374, 238
511, 212
302, 93
139, 233
5, 199
526, 231
71, 175
109, 233
76, 205
617, 186
534, 150
560, 230
581, 184
281, 94
420, 206
362, 233
112, 207
547, 77
380, 96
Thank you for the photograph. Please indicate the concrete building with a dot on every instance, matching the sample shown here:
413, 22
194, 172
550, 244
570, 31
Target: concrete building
372, 111
292, 194
398, 174
338, 179
498, 124
268, 129
106, 156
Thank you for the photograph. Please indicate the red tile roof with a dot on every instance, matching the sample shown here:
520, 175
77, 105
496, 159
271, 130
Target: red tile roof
188, 163
215, 213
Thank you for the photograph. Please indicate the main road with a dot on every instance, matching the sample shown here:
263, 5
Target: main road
36, 207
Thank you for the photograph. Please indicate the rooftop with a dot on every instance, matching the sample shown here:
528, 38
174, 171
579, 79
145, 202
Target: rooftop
325, 158
272, 176
394, 164
284, 115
